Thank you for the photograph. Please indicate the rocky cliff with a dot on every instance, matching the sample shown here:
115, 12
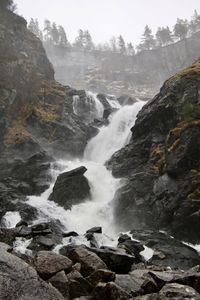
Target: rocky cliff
140, 75
37, 122
160, 165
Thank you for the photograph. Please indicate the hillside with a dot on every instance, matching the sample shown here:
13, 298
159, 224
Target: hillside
140, 75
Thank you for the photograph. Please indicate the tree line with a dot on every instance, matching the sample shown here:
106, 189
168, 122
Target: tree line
54, 35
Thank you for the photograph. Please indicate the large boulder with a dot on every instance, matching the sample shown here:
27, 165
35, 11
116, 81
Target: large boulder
71, 188
18, 280
116, 260
89, 261
168, 251
49, 263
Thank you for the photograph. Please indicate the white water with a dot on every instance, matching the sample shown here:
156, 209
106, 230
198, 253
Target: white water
10, 219
96, 211
92, 106
114, 136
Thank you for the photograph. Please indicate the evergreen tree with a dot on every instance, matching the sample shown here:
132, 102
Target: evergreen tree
33, 26
121, 45
148, 39
113, 44
47, 31
130, 49
87, 41
163, 36
62, 37
54, 34
78, 44
181, 29
195, 22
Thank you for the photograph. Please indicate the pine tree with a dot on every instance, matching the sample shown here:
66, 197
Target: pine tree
113, 44
47, 32
55, 34
130, 49
181, 29
78, 44
62, 37
194, 25
87, 41
163, 36
121, 45
33, 26
148, 39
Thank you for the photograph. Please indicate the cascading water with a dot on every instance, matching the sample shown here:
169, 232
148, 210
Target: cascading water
114, 136
98, 210
89, 107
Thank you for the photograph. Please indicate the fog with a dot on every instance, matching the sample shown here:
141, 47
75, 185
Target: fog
105, 18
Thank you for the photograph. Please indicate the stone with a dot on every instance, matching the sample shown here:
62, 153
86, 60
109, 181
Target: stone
168, 251
116, 260
71, 188
18, 279
89, 261
70, 233
109, 291
101, 276
95, 230
60, 282
49, 263
178, 291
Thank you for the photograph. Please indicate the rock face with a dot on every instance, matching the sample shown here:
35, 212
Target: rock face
33, 106
37, 121
18, 280
138, 75
161, 164
71, 188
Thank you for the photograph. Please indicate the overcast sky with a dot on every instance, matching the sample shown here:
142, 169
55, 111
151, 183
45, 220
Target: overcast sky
105, 18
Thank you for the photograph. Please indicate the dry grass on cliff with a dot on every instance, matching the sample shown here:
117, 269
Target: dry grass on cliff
190, 72
47, 113
15, 134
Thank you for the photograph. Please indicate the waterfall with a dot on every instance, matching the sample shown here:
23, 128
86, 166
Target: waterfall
88, 107
114, 136
96, 211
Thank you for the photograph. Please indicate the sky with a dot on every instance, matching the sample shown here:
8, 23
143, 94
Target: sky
107, 18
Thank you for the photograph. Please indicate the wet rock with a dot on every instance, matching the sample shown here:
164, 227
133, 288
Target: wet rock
79, 287
89, 261
137, 283
18, 279
22, 223
167, 250
49, 263
54, 226
123, 238
47, 242
126, 100
60, 282
116, 260
70, 233
132, 247
160, 189
109, 291
94, 230
7, 235
71, 188
101, 276
178, 291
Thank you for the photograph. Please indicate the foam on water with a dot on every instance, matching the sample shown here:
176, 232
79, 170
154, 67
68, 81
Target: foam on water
97, 211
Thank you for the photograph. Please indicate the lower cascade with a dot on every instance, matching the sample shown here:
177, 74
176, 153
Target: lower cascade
96, 211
